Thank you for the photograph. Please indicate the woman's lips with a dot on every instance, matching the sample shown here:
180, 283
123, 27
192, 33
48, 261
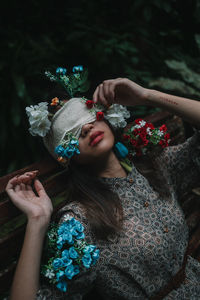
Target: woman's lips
96, 138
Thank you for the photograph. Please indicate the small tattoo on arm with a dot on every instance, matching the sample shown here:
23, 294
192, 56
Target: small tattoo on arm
168, 100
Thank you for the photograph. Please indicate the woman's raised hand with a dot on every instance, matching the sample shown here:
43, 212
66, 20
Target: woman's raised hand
121, 91
37, 207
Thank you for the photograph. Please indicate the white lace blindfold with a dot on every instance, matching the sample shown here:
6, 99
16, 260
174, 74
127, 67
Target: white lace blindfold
70, 118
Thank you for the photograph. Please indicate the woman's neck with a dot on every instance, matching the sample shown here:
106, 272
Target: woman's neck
109, 167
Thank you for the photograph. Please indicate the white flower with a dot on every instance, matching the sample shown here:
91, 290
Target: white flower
160, 133
149, 131
49, 273
116, 115
67, 217
38, 119
142, 123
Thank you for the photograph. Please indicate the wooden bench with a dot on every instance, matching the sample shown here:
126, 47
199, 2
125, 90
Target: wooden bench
13, 222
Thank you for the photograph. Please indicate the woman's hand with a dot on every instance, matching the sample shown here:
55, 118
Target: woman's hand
121, 91
36, 207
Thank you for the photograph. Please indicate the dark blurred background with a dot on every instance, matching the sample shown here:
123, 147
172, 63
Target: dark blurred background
156, 43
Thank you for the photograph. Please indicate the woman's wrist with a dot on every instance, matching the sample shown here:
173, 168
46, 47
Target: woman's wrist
40, 224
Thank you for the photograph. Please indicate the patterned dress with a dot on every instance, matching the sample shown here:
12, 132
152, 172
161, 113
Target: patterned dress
141, 260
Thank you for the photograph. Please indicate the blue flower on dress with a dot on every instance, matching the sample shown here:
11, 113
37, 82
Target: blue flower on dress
73, 253
76, 270
67, 237
66, 261
61, 71
62, 286
86, 259
89, 249
72, 259
80, 236
60, 274
65, 253
57, 263
69, 271
95, 256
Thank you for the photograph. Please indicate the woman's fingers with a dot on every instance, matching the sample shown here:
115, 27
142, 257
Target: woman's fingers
40, 189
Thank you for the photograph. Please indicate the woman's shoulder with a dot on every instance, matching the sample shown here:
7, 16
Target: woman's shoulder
73, 208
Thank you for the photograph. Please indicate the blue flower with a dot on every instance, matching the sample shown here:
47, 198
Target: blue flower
62, 285
121, 150
86, 259
57, 263
65, 253
89, 249
69, 151
60, 274
67, 237
77, 69
76, 269
59, 150
80, 236
77, 151
69, 271
66, 261
62, 228
95, 256
61, 71
77, 225
74, 142
60, 242
73, 253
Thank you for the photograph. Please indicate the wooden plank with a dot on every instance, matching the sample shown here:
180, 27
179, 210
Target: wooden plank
53, 185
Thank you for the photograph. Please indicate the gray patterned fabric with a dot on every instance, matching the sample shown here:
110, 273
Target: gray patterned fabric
150, 250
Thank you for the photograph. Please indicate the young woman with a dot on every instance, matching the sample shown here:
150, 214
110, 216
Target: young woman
142, 236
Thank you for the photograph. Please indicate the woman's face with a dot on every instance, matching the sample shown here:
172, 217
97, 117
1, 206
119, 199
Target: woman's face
96, 141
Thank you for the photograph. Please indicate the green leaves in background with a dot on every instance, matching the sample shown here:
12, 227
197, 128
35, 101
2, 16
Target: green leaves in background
154, 43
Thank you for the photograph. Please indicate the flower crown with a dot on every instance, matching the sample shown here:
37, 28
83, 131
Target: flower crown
40, 115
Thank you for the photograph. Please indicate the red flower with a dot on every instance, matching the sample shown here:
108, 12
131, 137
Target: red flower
134, 142
150, 126
89, 103
163, 143
136, 131
99, 115
163, 128
146, 142
138, 120
142, 135
126, 137
166, 136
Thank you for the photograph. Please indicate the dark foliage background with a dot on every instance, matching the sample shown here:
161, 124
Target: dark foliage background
155, 43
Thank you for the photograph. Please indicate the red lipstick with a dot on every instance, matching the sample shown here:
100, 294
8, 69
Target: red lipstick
96, 137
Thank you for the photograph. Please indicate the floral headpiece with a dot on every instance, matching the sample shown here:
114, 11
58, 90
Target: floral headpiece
46, 118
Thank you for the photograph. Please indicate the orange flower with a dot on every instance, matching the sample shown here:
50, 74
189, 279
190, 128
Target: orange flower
62, 159
54, 101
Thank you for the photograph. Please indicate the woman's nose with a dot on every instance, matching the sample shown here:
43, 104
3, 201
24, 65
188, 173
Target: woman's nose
86, 128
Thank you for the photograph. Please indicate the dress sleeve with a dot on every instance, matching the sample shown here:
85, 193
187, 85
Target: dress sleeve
80, 284
181, 164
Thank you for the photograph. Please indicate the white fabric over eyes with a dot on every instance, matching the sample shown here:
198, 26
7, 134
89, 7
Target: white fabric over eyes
70, 118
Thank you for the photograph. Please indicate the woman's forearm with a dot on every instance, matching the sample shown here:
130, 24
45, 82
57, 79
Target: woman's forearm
187, 109
26, 278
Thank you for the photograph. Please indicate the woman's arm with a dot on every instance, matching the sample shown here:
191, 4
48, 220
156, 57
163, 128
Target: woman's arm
126, 92
26, 279
38, 209
187, 109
